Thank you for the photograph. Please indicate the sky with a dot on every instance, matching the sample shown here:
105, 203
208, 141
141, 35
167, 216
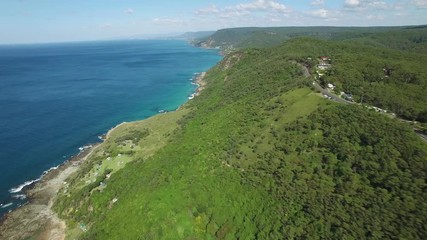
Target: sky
32, 21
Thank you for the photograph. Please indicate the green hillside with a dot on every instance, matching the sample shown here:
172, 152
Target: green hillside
260, 155
359, 69
413, 38
359, 55
410, 38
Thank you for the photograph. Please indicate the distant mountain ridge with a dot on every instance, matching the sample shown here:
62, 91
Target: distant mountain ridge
238, 38
194, 35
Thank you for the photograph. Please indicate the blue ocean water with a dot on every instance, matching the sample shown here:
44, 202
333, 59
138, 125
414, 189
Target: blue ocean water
55, 98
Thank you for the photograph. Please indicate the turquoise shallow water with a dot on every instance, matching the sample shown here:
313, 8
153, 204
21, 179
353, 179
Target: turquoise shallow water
55, 98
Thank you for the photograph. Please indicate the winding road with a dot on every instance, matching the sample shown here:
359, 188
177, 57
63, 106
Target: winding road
335, 98
324, 92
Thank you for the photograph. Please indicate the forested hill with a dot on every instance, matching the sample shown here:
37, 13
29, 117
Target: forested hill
391, 37
395, 80
260, 155
359, 56
192, 36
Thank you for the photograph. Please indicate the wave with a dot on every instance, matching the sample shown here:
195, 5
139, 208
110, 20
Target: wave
6, 205
27, 183
84, 147
20, 187
191, 96
20, 196
47, 171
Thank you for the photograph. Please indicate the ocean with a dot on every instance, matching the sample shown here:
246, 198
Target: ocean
56, 98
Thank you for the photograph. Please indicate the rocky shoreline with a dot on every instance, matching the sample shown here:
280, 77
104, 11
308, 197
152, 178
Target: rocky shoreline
200, 83
36, 219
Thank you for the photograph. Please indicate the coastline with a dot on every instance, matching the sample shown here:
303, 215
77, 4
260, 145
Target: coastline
199, 81
36, 218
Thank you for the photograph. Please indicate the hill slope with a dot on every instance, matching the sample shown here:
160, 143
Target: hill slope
406, 38
359, 69
258, 155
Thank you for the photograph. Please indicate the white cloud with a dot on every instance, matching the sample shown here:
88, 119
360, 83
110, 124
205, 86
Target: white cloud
352, 3
316, 12
321, 13
212, 9
107, 25
322, 16
233, 14
378, 5
367, 4
317, 3
420, 3
262, 5
243, 9
129, 11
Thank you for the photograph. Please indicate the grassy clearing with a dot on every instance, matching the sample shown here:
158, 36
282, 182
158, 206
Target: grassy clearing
301, 102
125, 144
117, 154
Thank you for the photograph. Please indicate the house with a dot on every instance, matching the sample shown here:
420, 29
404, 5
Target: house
331, 86
323, 66
324, 58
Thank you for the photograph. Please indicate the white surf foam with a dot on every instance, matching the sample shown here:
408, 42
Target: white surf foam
20, 187
6, 205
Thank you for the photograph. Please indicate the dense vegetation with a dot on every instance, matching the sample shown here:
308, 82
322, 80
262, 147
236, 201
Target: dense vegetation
393, 37
345, 173
395, 80
381, 66
259, 155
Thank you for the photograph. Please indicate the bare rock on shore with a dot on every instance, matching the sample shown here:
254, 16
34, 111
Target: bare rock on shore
36, 219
